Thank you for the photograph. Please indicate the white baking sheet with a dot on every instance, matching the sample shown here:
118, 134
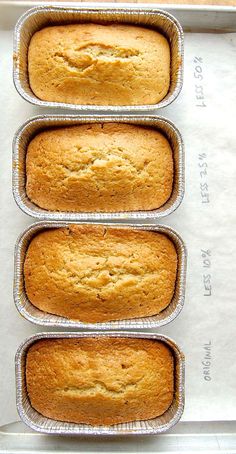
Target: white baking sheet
206, 328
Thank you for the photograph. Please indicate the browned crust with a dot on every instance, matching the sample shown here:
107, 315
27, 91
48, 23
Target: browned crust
99, 167
100, 380
96, 274
116, 64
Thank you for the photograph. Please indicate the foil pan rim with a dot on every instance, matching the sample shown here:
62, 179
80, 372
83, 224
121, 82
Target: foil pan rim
130, 10
61, 322
100, 430
122, 215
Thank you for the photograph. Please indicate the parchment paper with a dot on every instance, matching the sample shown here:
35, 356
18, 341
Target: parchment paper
206, 329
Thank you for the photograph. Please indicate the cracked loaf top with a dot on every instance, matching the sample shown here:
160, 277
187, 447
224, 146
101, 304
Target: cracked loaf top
88, 63
100, 380
99, 168
94, 274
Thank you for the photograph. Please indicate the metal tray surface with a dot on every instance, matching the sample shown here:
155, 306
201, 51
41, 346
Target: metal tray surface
39, 17
39, 317
149, 427
34, 125
193, 436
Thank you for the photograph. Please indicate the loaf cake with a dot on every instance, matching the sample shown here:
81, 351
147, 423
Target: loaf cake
115, 64
99, 167
96, 274
100, 381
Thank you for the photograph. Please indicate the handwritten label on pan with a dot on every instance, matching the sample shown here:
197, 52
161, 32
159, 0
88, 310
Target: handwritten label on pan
203, 173
199, 81
206, 361
206, 276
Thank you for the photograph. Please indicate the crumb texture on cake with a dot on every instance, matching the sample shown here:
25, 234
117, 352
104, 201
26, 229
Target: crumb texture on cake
100, 381
115, 64
99, 168
96, 274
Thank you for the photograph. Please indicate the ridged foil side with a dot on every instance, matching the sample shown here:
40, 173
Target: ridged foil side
42, 16
149, 427
31, 313
34, 125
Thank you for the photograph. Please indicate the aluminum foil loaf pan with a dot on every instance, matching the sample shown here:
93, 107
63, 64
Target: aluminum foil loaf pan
33, 314
37, 124
43, 16
150, 427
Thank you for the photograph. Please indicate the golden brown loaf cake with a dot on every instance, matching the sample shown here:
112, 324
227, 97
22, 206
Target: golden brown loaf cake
95, 274
114, 64
100, 381
99, 167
